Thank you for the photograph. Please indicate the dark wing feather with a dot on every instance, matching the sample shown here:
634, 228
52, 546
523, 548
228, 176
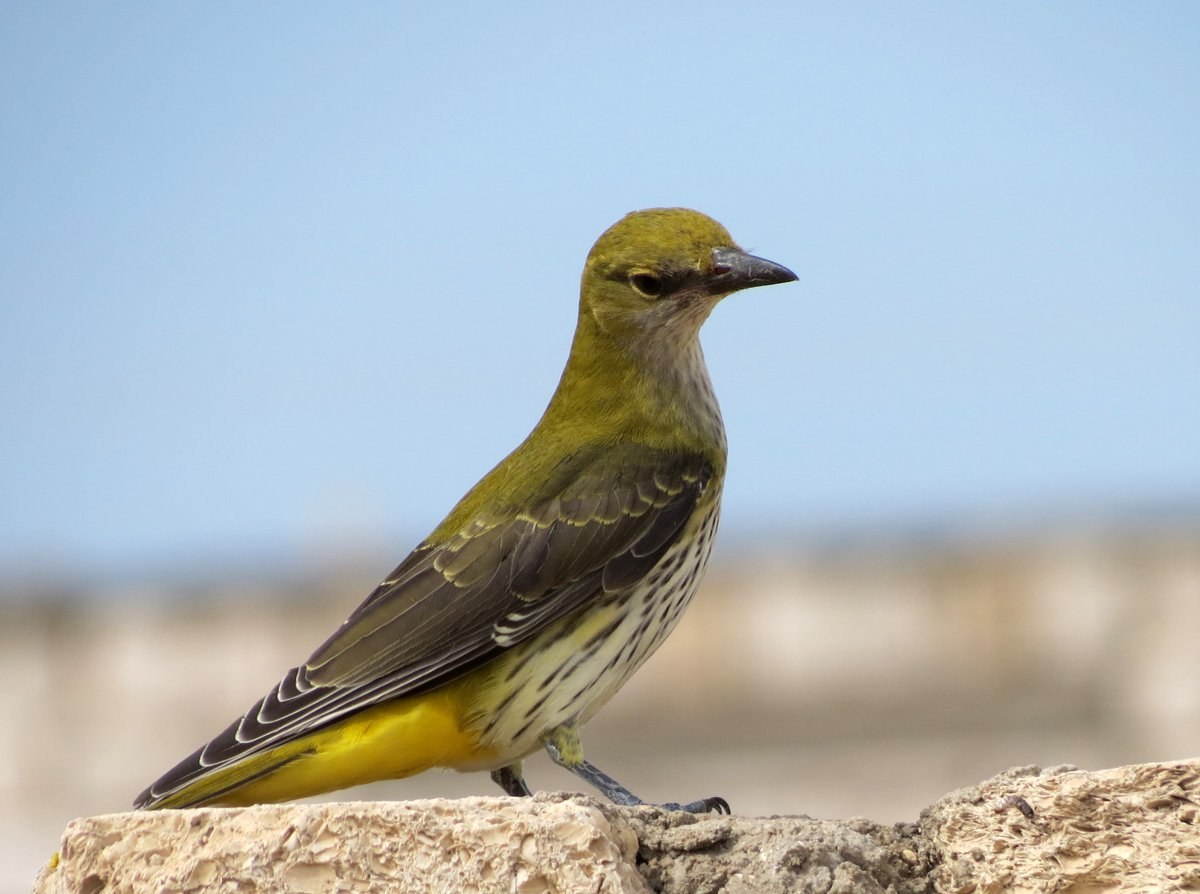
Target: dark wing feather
498, 582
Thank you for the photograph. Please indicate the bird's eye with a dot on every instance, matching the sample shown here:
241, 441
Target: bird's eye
646, 284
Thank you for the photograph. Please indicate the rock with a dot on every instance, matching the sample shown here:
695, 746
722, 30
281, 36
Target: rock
469, 845
1130, 829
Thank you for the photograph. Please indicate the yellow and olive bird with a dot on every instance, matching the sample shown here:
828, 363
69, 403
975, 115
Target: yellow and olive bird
549, 583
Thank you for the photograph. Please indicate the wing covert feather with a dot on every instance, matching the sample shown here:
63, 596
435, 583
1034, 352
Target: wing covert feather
457, 592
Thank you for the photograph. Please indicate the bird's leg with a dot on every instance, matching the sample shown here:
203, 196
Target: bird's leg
563, 745
511, 780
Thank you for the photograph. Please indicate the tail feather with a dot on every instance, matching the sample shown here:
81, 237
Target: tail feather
390, 741
220, 785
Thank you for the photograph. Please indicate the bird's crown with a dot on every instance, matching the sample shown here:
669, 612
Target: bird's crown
655, 249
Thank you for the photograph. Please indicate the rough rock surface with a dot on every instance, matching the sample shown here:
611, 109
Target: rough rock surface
1130, 829
681, 854
469, 845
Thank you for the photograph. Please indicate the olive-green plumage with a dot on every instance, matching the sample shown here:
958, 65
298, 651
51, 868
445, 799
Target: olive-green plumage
549, 583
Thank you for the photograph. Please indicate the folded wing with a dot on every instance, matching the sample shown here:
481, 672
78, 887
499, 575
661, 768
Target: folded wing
449, 607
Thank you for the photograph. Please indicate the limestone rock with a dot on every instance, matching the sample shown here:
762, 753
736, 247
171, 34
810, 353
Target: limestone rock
1124, 830
469, 845
1129, 829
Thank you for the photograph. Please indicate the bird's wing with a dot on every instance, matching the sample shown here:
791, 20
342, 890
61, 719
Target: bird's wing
502, 579
449, 607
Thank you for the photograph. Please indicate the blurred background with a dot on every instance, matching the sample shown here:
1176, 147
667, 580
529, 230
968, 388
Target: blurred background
279, 282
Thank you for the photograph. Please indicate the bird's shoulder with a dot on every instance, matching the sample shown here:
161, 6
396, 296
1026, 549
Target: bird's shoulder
596, 522
595, 481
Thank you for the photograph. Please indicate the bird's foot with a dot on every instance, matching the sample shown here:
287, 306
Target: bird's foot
704, 805
567, 740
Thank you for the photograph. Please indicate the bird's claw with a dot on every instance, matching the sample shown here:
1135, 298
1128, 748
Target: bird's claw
704, 805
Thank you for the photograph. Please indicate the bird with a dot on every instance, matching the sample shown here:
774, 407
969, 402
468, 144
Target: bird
549, 583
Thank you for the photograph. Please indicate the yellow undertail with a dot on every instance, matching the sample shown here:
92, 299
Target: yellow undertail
390, 741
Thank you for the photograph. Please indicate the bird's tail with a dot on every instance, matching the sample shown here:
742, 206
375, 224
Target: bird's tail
399, 738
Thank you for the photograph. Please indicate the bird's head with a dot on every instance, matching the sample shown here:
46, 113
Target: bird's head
660, 272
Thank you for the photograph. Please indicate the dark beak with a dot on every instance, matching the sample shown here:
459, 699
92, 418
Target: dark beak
733, 270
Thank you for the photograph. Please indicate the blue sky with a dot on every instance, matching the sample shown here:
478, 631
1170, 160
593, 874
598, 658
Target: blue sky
291, 277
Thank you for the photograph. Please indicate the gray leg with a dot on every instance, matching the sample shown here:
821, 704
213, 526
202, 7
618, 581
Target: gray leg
510, 779
565, 749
